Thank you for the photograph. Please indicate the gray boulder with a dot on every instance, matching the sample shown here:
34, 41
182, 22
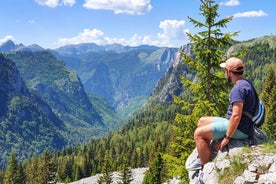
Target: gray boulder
260, 166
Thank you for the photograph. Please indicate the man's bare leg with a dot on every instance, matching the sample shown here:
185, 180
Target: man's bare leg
205, 121
203, 136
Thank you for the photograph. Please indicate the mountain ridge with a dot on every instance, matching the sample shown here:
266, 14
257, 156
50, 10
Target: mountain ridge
123, 78
109, 71
27, 122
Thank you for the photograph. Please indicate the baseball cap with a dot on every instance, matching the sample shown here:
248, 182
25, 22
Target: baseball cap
233, 64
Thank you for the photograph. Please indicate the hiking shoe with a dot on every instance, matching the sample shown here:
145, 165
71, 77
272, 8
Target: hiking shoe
195, 165
200, 178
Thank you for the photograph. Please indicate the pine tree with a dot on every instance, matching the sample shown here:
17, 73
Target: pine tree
31, 171
46, 169
269, 98
125, 174
14, 173
20, 174
65, 169
209, 48
155, 174
106, 177
209, 88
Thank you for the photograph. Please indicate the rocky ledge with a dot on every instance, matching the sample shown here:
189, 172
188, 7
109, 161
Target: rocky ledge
242, 162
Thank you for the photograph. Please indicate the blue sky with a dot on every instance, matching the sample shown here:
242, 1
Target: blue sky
54, 23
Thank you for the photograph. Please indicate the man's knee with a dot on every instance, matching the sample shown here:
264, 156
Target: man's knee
198, 133
204, 132
203, 121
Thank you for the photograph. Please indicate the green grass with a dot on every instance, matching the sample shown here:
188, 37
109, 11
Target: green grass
269, 148
237, 166
238, 163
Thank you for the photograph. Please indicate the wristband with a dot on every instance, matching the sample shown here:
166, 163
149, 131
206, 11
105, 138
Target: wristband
227, 137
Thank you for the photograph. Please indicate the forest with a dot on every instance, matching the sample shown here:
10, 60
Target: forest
161, 136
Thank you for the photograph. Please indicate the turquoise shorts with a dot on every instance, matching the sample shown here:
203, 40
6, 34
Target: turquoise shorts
219, 127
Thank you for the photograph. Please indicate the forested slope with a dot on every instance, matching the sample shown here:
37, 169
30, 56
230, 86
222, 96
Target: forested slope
28, 125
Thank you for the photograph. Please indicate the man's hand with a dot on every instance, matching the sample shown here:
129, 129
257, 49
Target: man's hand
221, 144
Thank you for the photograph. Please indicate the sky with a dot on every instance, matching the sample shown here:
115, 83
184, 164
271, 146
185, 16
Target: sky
163, 23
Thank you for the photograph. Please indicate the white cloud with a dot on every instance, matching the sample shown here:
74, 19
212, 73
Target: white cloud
6, 38
31, 21
49, 3
230, 3
171, 28
55, 3
259, 13
94, 36
68, 2
137, 7
173, 34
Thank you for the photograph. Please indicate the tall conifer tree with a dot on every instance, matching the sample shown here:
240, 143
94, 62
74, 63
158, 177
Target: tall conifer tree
106, 177
209, 88
14, 173
46, 169
269, 97
125, 174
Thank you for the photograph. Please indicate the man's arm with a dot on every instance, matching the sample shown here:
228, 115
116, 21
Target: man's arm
233, 124
235, 118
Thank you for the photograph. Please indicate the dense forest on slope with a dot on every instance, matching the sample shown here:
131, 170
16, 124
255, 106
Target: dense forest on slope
259, 55
28, 125
133, 145
63, 91
43, 105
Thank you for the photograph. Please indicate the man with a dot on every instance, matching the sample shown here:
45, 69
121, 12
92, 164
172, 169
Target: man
236, 125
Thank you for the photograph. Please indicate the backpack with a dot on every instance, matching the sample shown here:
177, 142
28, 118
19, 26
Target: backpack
259, 117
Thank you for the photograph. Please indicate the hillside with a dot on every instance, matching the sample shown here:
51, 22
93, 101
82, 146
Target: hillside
63, 91
52, 96
124, 76
169, 84
28, 125
259, 56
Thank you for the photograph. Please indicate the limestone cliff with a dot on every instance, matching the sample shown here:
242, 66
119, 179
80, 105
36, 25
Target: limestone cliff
243, 161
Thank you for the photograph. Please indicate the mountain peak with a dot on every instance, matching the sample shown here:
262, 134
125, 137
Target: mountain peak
10, 46
7, 46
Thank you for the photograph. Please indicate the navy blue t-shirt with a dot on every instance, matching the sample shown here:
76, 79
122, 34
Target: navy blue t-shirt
243, 92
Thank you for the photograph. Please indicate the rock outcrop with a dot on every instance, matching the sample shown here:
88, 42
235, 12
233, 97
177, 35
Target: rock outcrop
247, 155
137, 176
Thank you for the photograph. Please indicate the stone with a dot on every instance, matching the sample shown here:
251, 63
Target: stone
260, 167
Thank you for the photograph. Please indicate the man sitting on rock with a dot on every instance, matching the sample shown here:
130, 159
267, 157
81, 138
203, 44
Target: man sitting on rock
236, 125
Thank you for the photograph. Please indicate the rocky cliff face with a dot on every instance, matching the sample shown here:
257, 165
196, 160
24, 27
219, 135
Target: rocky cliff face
170, 84
243, 161
10, 78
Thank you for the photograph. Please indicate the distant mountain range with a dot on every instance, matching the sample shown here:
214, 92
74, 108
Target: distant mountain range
124, 76
67, 93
